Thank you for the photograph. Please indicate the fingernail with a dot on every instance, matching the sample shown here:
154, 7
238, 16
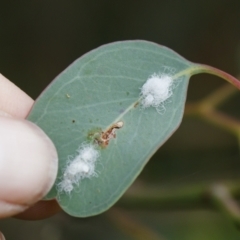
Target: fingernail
28, 162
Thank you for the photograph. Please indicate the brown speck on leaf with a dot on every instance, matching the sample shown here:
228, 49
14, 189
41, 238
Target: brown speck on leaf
136, 104
110, 133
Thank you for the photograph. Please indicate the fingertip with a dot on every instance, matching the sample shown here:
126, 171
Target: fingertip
28, 164
13, 100
2, 236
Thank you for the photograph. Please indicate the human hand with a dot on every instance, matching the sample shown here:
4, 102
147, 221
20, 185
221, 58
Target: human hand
28, 158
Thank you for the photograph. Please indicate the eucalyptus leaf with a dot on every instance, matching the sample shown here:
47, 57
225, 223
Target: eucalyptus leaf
95, 92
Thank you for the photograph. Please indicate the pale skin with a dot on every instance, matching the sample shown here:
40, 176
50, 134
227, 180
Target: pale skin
28, 159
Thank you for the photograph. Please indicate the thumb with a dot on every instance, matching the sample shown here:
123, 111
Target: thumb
28, 165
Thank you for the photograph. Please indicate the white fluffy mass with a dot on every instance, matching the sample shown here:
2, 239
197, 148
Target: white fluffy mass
156, 90
82, 166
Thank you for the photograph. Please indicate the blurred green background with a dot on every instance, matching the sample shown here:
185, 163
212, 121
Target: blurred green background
39, 39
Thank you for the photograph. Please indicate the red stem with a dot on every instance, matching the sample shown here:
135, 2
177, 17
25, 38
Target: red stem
214, 71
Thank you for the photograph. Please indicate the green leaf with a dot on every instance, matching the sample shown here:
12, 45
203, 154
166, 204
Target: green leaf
98, 90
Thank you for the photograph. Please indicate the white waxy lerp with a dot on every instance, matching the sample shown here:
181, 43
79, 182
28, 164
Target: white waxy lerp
82, 166
156, 90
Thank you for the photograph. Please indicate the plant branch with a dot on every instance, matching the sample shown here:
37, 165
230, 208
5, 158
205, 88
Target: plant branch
219, 96
223, 200
131, 226
214, 117
201, 68
206, 110
179, 197
220, 196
